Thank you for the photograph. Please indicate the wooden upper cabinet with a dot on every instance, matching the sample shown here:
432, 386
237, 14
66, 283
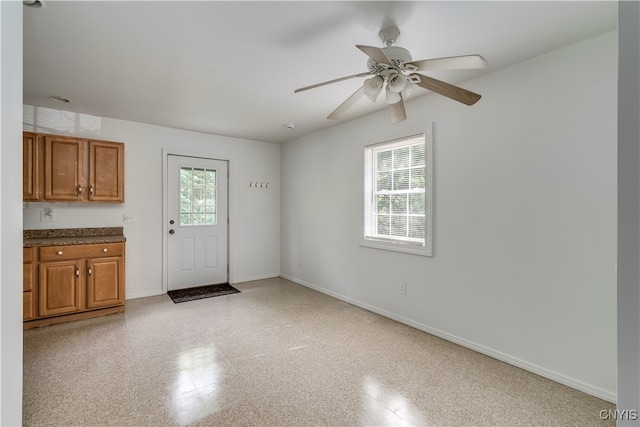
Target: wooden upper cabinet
30, 167
68, 169
64, 174
106, 171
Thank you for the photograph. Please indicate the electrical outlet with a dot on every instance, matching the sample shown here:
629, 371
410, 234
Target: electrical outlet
403, 288
128, 218
47, 215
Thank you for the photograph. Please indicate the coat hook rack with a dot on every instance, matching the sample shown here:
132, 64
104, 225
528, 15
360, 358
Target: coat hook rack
256, 184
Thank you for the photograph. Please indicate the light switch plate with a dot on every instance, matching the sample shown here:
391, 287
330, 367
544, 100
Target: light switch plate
128, 218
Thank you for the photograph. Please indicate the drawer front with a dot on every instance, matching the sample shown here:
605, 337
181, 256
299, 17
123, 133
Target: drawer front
55, 253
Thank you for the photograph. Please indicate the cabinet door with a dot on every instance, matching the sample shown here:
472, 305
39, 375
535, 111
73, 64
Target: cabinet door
59, 290
28, 306
106, 171
105, 282
30, 170
65, 177
28, 284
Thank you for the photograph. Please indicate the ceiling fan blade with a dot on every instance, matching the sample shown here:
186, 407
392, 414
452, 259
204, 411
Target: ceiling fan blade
376, 54
397, 111
332, 81
348, 103
466, 62
448, 90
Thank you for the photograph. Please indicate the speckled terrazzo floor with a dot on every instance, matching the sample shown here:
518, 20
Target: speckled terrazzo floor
276, 354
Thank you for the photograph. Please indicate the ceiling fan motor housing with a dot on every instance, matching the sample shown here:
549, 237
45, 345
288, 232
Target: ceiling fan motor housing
398, 56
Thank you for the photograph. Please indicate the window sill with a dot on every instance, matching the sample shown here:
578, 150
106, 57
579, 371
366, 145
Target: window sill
397, 247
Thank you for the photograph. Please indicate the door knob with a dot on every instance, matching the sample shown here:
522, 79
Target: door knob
171, 231
172, 222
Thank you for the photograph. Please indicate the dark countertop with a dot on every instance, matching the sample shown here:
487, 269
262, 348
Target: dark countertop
72, 236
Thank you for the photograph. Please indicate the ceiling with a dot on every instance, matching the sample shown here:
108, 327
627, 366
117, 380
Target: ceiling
231, 68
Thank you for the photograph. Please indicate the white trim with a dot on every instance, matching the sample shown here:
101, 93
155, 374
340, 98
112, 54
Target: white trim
144, 294
404, 247
253, 278
395, 141
165, 222
156, 293
609, 396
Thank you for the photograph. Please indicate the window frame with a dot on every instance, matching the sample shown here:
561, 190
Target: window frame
207, 209
391, 244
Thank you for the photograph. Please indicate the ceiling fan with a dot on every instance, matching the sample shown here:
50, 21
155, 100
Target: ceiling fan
393, 69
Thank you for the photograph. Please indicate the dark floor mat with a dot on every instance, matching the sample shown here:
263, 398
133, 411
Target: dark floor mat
201, 292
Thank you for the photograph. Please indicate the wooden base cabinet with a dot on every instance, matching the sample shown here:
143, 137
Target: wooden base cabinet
29, 282
78, 282
59, 290
105, 285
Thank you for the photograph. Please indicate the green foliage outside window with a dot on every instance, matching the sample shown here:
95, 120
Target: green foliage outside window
197, 196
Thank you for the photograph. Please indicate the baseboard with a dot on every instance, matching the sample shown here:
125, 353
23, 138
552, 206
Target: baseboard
144, 294
523, 364
157, 292
252, 278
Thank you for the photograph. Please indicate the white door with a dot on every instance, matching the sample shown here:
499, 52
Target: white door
197, 202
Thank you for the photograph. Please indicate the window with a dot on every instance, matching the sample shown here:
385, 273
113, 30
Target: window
398, 195
197, 196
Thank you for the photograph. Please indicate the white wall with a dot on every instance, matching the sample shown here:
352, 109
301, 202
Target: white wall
254, 214
10, 215
524, 217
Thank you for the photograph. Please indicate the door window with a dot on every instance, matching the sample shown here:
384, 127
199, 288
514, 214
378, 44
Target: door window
197, 196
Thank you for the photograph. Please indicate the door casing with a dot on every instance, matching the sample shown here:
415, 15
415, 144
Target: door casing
165, 220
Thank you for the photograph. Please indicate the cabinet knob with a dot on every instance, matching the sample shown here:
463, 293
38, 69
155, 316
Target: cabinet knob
59, 252
79, 190
104, 250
